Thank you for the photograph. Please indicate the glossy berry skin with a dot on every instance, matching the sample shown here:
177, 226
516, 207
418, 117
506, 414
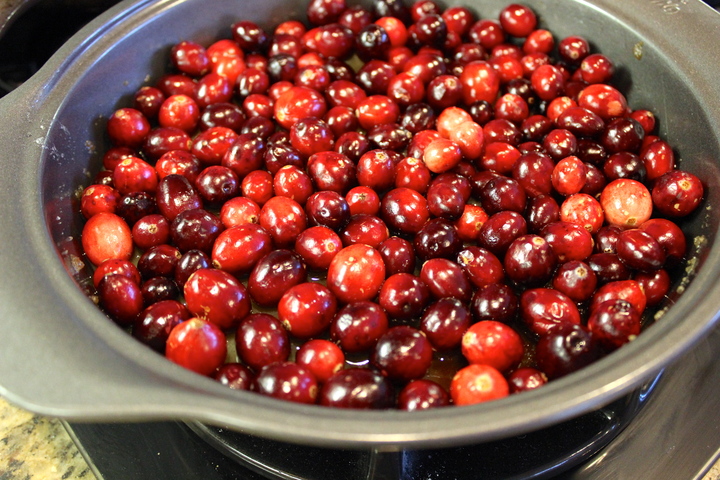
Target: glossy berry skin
287, 381
640, 251
493, 343
530, 260
357, 388
307, 309
444, 323
235, 376
107, 236
238, 249
195, 229
322, 357
120, 298
404, 210
128, 127
478, 383
576, 280
446, 278
402, 353
358, 326
274, 274
614, 323
677, 193
545, 310
403, 296
216, 296
356, 273
155, 323
260, 339
197, 345
627, 203
422, 394
566, 350
318, 246
284, 219
526, 378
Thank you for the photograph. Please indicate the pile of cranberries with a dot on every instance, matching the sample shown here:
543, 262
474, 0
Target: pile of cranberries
387, 207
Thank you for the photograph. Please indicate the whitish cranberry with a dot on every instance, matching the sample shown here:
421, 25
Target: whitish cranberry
357, 388
217, 297
260, 339
566, 350
307, 309
626, 202
107, 236
478, 383
197, 345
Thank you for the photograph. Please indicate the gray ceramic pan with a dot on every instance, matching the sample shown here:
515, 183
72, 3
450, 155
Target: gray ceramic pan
62, 357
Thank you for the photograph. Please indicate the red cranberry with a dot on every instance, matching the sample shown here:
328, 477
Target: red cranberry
446, 278
403, 296
478, 383
493, 343
197, 345
274, 274
422, 394
677, 193
235, 376
545, 310
575, 279
321, 357
328, 209
106, 236
287, 381
307, 309
614, 323
526, 378
284, 219
356, 273
318, 246
120, 298
444, 323
216, 296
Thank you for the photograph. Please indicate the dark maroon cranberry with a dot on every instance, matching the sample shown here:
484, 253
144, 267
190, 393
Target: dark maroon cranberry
121, 298
622, 135
161, 140
445, 200
624, 165
526, 378
591, 152
640, 251
156, 321
430, 30
438, 238
353, 145
236, 376
576, 280
535, 127
261, 340
560, 143
566, 350
402, 353
136, 205
404, 296
274, 274
533, 171
372, 42
331, 171
446, 279
422, 394
195, 229
158, 289
287, 381
501, 130
613, 323
404, 210
250, 36
392, 8
398, 255
358, 326
677, 193
595, 180
245, 155
503, 194
259, 126
541, 212
282, 67
481, 112
322, 12
189, 262
356, 18
608, 267
159, 261
444, 323
581, 122
390, 136
668, 235
530, 260
339, 70
217, 184
357, 388
327, 209
499, 231
175, 194
494, 301
546, 310
280, 155
418, 117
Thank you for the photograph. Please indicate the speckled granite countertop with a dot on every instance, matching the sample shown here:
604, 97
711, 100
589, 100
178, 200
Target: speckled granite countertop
38, 448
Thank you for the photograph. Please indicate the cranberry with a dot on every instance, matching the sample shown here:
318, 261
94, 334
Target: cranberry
260, 339
422, 394
566, 350
356, 273
195, 229
216, 296
526, 378
446, 278
668, 235
273, 275
608, 267
402, 353
155, 323
190, 261
321, 357
629, 290
357, 388
307, 309
284, 219
116, 266
318, 246
576, 280
120, 297
500, 230
235, 376
287, 381
655, 285
328, 209
626, 202
444, 323
363, 200
404, 210
128, 127
614, 323
584, 210
493, 343
158, 261
331, 171
545, 310
197, 345
106, 236
367, 229
569, 241
677, 193
175, 194
478, 383
530, 260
